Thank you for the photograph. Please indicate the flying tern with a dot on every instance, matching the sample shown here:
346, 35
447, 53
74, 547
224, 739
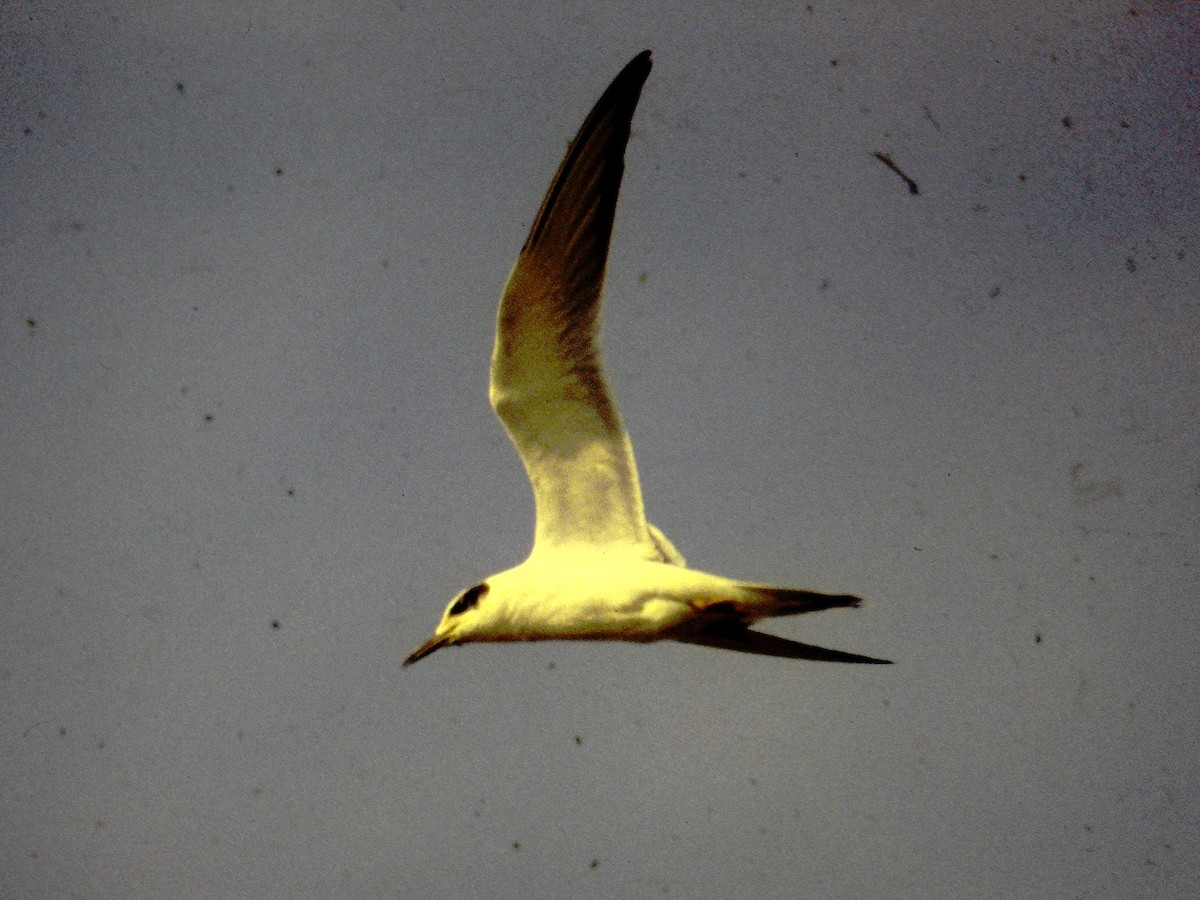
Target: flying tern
598, 570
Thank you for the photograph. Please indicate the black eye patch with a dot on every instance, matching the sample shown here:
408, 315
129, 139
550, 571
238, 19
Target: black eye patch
469, 598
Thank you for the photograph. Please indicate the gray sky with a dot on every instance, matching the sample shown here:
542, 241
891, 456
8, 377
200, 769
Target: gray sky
251, 261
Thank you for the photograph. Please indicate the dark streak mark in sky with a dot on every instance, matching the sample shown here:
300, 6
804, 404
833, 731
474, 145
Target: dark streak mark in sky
887, 161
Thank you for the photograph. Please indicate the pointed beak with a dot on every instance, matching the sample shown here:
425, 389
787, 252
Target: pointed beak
434, 643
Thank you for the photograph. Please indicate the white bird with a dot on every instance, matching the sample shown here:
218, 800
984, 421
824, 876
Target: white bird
598, 570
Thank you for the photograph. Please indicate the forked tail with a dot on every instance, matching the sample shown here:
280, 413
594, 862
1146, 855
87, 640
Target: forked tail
724, 624
763, 601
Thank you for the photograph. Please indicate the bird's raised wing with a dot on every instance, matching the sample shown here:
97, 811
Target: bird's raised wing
547, 386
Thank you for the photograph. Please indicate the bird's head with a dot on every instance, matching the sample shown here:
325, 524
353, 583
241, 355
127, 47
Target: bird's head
458, 623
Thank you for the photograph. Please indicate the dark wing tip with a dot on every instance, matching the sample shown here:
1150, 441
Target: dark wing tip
745, 640
639, 67
583, 194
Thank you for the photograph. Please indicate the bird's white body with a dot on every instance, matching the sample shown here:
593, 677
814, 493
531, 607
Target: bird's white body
590, 594
598, 569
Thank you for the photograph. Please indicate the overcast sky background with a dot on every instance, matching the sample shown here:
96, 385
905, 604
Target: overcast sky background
251, 257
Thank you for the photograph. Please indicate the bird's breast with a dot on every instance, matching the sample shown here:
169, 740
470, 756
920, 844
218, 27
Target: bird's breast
570, 598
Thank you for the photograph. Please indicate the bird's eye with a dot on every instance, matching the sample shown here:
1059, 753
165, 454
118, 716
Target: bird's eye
469, 598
